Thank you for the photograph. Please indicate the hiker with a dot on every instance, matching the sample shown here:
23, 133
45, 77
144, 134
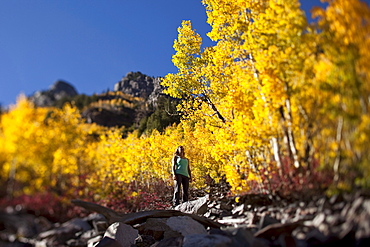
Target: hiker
181, 175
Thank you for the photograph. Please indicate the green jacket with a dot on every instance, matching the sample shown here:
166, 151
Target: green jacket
182, 166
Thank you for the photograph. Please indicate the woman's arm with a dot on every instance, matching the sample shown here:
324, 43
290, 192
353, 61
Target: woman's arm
189, 170
174, 167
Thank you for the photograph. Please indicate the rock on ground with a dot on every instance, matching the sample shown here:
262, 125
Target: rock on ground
255, 220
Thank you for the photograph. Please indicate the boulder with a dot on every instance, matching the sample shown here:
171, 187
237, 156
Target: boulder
185, 225
22, 224
198, 206
144, 241
121, 233
173, 227
108, 242
173, 242
157, 227
241, 236
204, 240
93, 242
60, 235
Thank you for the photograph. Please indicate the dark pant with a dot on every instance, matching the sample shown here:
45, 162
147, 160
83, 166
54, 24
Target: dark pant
184, 181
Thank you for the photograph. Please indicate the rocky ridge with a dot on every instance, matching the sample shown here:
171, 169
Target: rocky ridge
140, 92
140, 85
59, 90
134, 84
255, 220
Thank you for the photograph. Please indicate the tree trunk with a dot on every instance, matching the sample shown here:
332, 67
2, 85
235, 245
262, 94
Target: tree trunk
337, 152
292, 145
214, 108
276, 149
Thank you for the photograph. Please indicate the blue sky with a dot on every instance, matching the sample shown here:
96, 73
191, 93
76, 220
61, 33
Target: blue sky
89, 43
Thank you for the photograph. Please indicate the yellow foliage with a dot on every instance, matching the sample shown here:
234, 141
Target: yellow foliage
44, 146
272, 89
266, 89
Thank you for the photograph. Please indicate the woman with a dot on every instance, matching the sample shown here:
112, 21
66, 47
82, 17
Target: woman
181, 175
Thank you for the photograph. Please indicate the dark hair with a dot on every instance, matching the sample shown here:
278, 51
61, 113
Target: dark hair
178, 151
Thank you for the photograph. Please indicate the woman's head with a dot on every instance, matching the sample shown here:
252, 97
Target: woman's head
180, 151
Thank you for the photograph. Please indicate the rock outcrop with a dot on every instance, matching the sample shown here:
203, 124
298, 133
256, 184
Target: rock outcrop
136, 97
57, 91
136, 84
